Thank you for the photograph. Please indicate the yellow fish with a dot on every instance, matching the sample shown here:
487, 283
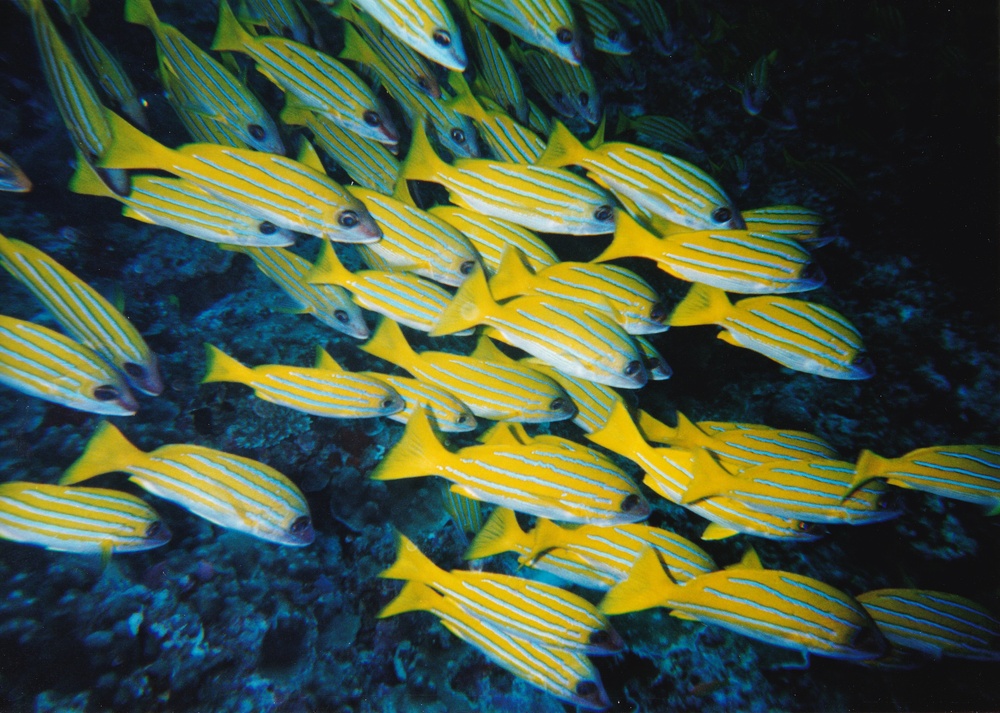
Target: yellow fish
800, 335
574, 338
316, 391
969, 473
228, 490
780, 608
42, 363
271, 187
425, 25
548, 24
539, 479
84, 520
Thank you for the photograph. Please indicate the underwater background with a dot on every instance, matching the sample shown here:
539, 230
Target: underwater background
894, 141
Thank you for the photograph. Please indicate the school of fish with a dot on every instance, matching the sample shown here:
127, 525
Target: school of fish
473, 265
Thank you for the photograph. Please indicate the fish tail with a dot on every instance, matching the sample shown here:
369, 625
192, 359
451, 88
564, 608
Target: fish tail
325, 361
414, 596
295, 113
487, 350
355, 47
464, 102
563, 148
308, 156
389, 343
709, 478
411, 564
715, 531
703, 304
417, 453
646, 586
654, 430
130, 148
328, 269
619, 433
630, 240
547, 536
501, 533
472, 303
86, 181
869, 466
421, 162
107, 451
513, 276
141, 12
230, 35
222, 367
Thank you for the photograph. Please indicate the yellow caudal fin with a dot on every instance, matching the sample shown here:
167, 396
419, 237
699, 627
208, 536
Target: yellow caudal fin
487, 350
356, 49
294, 113
505, 433
414, 596
411, 564
563, 149
141, 12
869, 466
130, 148
715, 531
513, 276
325, 361
597, 139
619, 434
500, 533
106, 452
689, 434
646, 586
464, 102
417, 453
230, 35
630, 240
703, 304
421, 162
471, 305
709, 478
222, 367
389, 343
654, 430
546, 536
308, 156
328, 269
86, 181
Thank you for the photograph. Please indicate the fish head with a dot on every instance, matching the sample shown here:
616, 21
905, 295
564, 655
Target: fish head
144, 375
300, 532
590, 695
345, 317
263, 137
157, 533
868, 642
810, 277
380, 120
860, 367
607, 640
725, 215
113, 399
355, 224
634, 508
459, 138
445, 47
565, 43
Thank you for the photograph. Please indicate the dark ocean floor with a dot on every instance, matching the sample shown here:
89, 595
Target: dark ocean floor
895, 143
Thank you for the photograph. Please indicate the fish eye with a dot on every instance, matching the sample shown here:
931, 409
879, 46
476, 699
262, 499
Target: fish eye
154, 529
860, 358
722, 214
458, 136
604, 213
558, 404
564, 35
341, 316
586, 689
136, 371
631, 503
106, 393
388, 402
267, 228
441, 38
632, 368
463, 418
372, 118
600, 637
348, 219
424, 83
257, 131
584, 98
658, 313
467, 267
302, 528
